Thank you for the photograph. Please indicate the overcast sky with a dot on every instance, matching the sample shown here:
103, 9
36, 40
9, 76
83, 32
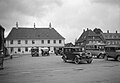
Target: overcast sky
68, 17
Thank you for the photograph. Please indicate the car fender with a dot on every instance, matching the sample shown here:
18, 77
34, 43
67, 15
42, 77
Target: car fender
77, 56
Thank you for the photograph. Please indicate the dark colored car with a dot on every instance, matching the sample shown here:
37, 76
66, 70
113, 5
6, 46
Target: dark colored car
112, 51
76, 54
34, 51
45, 51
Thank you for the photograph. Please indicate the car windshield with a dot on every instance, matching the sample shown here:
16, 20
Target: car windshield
77, 50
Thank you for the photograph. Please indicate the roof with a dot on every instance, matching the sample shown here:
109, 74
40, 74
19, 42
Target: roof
1, 27
96, 44
87, 33
33, 33
111, 35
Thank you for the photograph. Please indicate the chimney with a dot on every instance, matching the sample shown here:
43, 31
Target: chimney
50, 26
87, 29
34, 25
16, 24
116, 31
83, 30
107, 31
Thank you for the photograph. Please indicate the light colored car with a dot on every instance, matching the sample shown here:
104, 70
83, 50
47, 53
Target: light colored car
112, 51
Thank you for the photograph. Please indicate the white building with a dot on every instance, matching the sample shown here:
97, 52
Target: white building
21, 39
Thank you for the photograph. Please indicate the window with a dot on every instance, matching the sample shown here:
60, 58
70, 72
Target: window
48, 41
54, 41
114, 36
11, 49
33, 41
26, 49
60, 41
42, 41
26, 42
19, 49
11, 42
19, 41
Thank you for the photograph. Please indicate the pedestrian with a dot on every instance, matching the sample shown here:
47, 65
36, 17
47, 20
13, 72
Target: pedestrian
1, 60
11, 55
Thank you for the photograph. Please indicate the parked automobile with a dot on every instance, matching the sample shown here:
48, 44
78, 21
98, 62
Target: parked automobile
34, 51
58, 50
76, 54
112, 51
45, 51
97, 53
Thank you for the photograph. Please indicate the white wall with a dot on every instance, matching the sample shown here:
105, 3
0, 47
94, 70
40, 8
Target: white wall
38, 43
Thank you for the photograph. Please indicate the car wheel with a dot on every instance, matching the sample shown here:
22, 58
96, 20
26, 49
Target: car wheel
77, 60
100, 56
89, 61
64, 59
105, 57
118, 58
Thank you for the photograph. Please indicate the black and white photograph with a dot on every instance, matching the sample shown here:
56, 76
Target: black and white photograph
59, 41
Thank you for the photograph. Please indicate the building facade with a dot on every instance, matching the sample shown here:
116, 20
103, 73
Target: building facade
21, 39
112, 38
90, 40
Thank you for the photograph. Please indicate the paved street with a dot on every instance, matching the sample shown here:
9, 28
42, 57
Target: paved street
51, 69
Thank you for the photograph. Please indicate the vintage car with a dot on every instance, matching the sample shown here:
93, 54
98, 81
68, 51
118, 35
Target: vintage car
76, 54
34, 51
112, 51
97, 53
45, 51
58, 50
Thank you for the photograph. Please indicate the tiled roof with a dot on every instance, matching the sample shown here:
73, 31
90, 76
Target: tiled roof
111, 35
33, 33
85, 34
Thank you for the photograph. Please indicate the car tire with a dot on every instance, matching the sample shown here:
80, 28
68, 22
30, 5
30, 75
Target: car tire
100, 56
64, 59
106, 57
118, 58
77, 60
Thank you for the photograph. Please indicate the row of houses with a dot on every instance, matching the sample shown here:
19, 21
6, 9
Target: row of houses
96, 39
20, 40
